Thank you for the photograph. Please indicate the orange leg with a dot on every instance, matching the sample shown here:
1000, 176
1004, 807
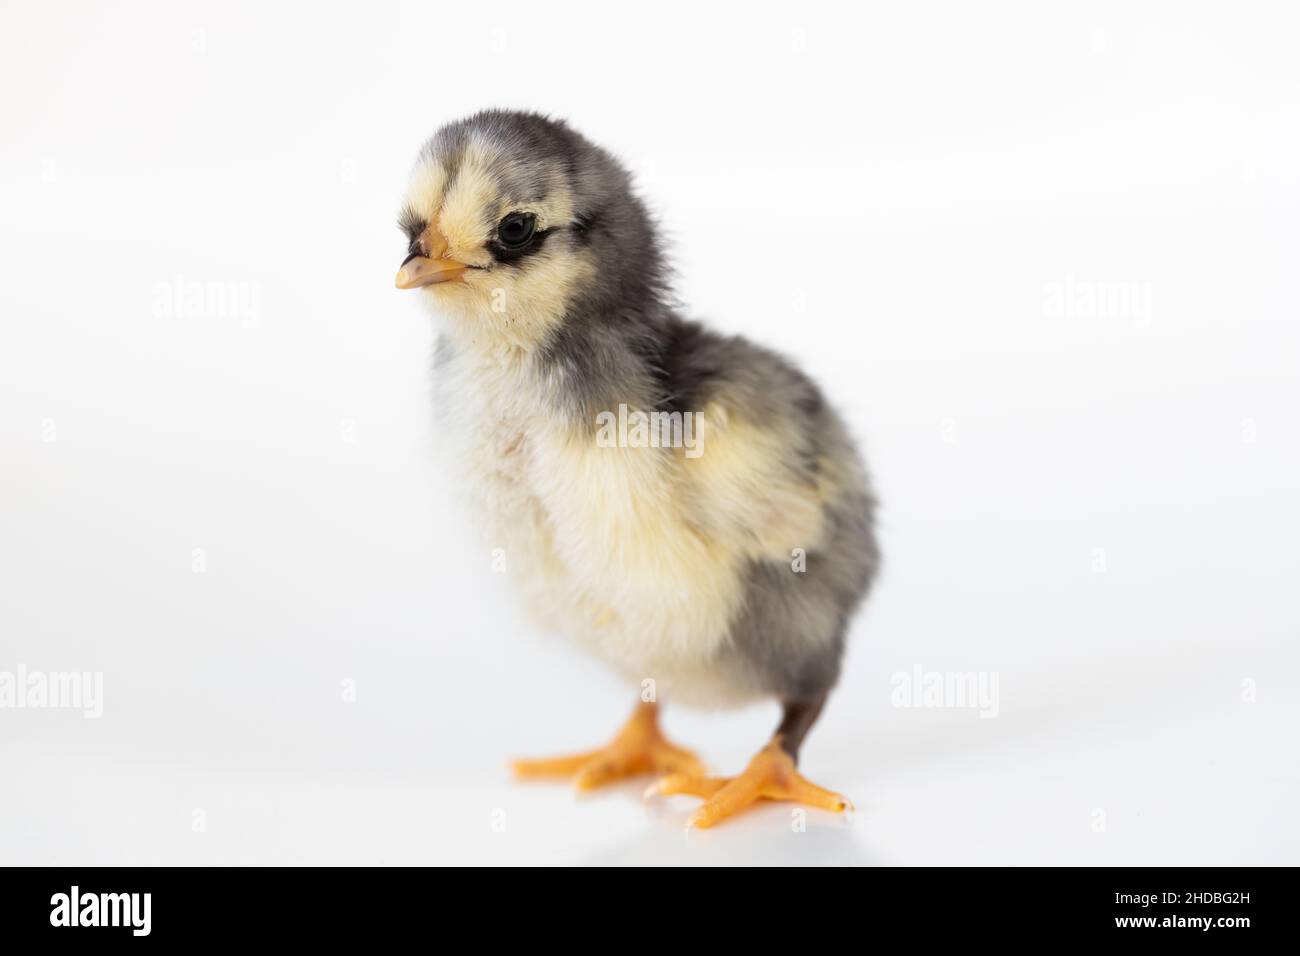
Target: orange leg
639, 748
770, 776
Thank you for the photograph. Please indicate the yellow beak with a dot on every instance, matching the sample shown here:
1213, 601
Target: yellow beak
433, 266
421, 271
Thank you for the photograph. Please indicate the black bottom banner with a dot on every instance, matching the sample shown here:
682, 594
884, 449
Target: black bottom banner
337, 906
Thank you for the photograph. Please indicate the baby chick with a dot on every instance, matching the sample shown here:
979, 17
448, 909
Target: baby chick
684, 505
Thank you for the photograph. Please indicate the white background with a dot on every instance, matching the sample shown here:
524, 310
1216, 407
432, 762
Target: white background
924, 204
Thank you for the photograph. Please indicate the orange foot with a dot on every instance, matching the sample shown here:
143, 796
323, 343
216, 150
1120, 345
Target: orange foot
770, 776
639, 748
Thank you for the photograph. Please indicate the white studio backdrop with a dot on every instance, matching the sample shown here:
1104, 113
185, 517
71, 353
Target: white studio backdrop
1069, 342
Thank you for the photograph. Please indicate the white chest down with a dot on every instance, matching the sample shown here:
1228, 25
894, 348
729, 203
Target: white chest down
599, 541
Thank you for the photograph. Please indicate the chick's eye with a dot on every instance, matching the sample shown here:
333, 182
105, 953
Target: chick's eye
516, 229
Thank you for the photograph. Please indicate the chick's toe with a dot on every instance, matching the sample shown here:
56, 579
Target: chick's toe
771, 775
639, 748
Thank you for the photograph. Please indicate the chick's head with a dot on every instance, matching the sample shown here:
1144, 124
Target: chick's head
513, 221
